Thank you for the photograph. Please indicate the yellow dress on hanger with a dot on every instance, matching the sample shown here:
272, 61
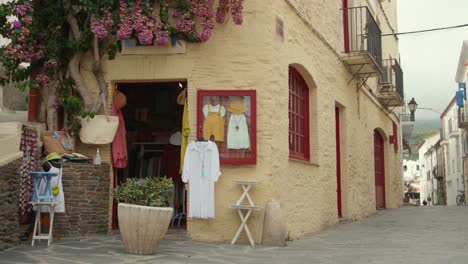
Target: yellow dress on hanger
185, 133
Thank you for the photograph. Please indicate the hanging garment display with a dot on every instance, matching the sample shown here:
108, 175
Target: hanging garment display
29, 162
201, 170
185, 133
171, 161
119, 144
214, 122
238, 130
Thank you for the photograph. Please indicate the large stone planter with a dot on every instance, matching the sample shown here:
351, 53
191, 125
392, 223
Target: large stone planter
143, 227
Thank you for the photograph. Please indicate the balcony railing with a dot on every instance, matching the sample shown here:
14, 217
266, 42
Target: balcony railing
391, 83
462, 117
443, 136
362, 36
406, 118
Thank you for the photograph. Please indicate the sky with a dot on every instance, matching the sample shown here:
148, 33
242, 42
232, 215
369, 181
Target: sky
430, 60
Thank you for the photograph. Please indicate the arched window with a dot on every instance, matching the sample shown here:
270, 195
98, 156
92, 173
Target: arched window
299, 140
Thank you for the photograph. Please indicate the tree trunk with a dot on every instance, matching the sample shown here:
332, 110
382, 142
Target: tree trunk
97, 71
74, 64
43, 97
52, 118
80, 85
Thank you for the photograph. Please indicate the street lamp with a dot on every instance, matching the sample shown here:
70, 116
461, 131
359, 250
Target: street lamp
412, 106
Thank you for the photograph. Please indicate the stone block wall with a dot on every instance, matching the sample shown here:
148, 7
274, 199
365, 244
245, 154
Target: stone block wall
86, 189
9, 186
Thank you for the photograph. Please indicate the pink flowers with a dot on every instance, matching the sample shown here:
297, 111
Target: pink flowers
196, 22
236, 11
145, 37
16, 24
185, 23
136, 21
162, 36
125, 25
204, 10
222, 11
24, 46
101, 27
43, 80
22, 9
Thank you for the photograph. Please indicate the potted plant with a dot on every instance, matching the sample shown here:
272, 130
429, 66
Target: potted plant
143, 213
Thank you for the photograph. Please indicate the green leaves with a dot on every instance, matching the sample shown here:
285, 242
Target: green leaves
147, 192
113, 49
84, 43
32, 84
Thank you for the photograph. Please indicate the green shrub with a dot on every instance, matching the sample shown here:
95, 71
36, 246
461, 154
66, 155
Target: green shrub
147, 192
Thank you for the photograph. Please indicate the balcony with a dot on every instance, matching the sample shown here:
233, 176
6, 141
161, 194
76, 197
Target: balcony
363, 42
462, 118
452, 131
390, 91
443, 136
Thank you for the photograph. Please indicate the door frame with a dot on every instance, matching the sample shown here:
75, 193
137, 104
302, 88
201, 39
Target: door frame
379, 154
338, 163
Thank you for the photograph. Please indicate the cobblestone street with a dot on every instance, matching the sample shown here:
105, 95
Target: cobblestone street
405, 235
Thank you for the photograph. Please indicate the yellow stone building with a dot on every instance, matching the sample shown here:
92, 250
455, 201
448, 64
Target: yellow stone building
350, 71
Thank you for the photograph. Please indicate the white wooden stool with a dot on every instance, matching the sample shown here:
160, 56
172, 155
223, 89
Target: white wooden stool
37, 224
246, 186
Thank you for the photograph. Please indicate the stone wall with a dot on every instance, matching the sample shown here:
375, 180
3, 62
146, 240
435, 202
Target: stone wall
86, 189
9, 186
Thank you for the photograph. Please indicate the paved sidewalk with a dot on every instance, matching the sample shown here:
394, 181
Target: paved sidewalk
406, 235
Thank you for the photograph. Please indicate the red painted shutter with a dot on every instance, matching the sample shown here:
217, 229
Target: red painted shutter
299, 141
395, 136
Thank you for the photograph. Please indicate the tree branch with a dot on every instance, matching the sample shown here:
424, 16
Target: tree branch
72, 21
80, 85
98, 73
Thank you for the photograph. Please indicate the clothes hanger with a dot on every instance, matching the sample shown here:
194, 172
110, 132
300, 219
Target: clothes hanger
201, 139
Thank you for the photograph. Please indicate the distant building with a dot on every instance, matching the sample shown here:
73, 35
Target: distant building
428, 161
412, 179
452, 145
462, 112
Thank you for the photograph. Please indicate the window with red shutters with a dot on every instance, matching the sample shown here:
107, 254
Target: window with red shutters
299, 140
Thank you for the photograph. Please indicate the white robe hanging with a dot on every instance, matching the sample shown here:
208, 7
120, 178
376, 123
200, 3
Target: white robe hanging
201, 170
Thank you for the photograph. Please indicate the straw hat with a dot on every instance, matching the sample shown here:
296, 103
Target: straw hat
120, 100
53, 156
181, 97
237, 105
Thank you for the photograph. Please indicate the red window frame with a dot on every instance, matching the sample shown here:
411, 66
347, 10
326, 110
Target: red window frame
253, 122
395, 136
299, 134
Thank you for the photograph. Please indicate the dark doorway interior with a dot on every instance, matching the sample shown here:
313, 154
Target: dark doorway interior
153, 119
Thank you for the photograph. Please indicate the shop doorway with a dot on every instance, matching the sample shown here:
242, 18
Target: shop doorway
338, 162
379, 163
153, 122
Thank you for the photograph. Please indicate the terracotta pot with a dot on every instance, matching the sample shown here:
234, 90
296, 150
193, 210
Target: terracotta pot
143, 227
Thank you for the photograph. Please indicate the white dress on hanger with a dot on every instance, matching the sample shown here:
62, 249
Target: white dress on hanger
201, 170
238, 132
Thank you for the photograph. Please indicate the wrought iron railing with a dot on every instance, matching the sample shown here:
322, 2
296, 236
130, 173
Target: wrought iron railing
406, 118
392, 76
462, 115
398, 78
362, 33
443, 134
